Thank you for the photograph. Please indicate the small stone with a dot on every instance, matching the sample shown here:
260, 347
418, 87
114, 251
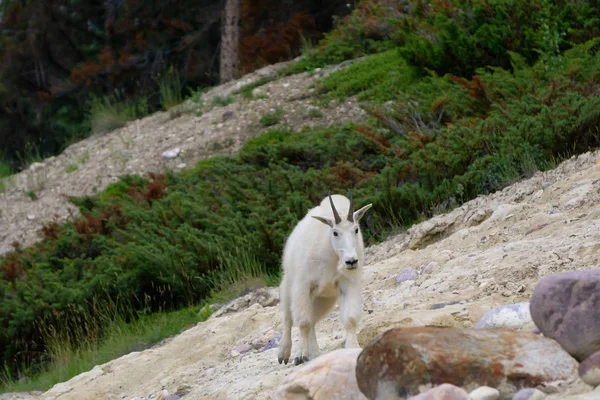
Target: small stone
564, 308
163, 395
512, 316
209, 372
263, 337
529, 394
407, 274
227, 115
183, 390
240, 349
437, 306
576, 202
36, 166
484, 393
171, 154
478, 217
445, 391
589, 370
431, 267
173, 397
272, 343
181, 166
31, 217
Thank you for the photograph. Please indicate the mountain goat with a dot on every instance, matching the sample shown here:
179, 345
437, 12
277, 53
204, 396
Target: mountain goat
322, 262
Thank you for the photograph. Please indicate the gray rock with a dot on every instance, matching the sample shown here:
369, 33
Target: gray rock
36, 166
431, 267
484, 393
240, 349
171, 154
566, 308
407, 274
529, 394
266, 297
272, 343
589, 370
442, 305
227, 115
511, 316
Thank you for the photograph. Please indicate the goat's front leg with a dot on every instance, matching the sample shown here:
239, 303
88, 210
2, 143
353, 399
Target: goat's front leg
302, 313
350, 302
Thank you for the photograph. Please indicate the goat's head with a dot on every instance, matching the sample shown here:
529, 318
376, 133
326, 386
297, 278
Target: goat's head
345, 234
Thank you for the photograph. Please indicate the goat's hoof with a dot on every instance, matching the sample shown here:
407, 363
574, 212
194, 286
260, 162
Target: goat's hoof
298, 360
282, 360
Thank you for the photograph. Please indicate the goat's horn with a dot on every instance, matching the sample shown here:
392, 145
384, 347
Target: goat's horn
335, 213
351, 209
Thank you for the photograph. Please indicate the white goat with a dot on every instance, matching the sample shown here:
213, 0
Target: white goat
322, 263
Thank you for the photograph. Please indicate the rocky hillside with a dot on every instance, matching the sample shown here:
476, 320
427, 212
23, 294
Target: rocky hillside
219, 123
446, 272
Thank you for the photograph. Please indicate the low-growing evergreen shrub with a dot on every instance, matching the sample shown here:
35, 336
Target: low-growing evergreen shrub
457, 36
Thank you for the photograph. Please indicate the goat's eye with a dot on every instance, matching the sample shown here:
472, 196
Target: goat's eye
356, 231
335, 233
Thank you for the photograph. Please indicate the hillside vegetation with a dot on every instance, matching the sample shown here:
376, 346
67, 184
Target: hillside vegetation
463, 99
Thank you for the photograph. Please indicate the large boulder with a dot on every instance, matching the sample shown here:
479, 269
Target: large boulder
403, 359
566, 308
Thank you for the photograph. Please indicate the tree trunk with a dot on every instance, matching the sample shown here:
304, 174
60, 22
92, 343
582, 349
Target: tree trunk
230, 40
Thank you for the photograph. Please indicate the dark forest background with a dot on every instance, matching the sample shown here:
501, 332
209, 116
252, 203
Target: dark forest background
59, 55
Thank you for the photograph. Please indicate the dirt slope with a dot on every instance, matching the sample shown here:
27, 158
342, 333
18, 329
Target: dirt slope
491, 251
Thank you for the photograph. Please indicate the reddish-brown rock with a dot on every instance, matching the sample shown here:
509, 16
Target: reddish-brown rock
402, 359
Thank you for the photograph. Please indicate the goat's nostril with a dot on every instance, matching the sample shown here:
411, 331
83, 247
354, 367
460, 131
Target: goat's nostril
351, 262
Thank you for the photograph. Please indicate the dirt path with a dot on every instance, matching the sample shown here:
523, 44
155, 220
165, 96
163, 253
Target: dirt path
491, 251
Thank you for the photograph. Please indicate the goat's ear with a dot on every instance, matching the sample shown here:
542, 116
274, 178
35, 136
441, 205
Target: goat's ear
324, 220
360, 213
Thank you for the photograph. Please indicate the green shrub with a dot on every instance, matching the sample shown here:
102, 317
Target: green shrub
108, 114
170, 89
221, 101
246, 90
457, 37
380, 77
272, 117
